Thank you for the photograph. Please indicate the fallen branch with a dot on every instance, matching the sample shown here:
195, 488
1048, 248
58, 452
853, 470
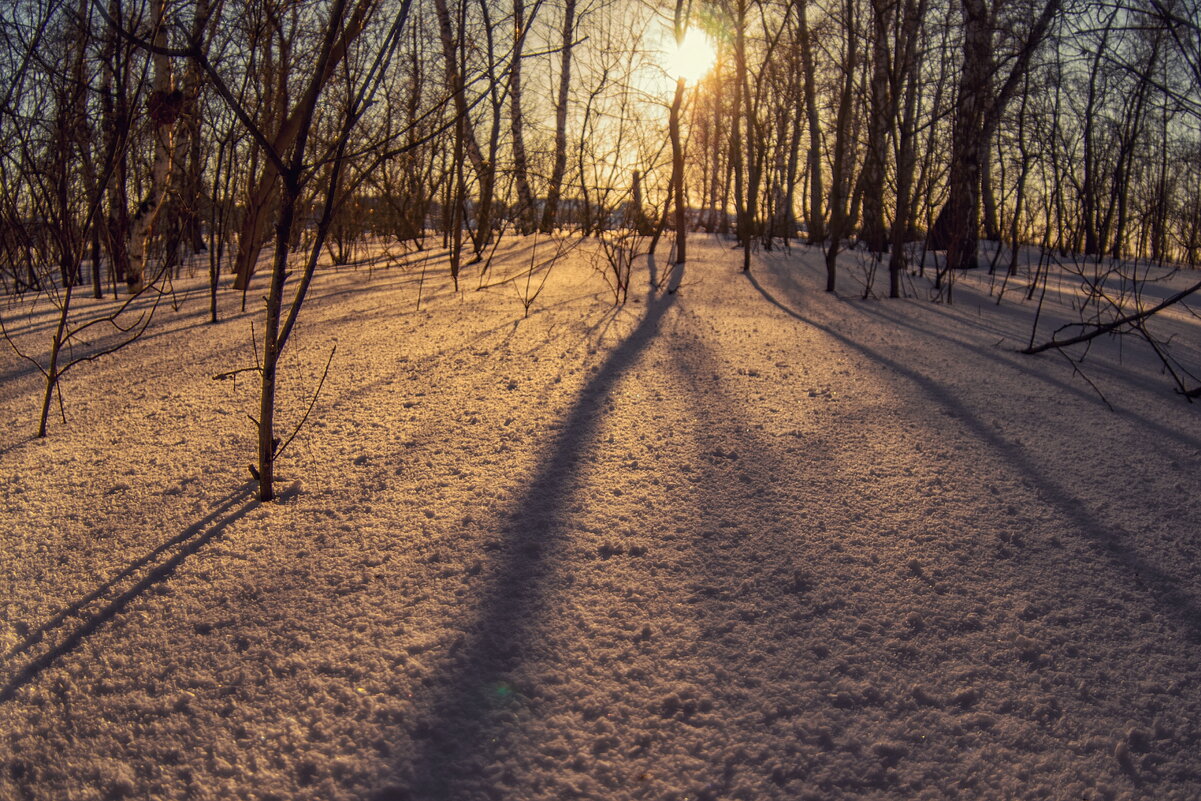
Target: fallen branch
1110, 326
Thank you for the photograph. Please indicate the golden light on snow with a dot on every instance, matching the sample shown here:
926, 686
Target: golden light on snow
693, 58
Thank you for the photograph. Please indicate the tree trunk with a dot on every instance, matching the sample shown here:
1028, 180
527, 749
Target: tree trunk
115, 125
906, 76
521, 176
879, 120
559, 167
842, 135
988, 197
737, 152
956, 227
1020, 188
163, 108
1088, 190
977, 111
677, 165
677, 147
275, 297
790, 179
815, 220
265, 194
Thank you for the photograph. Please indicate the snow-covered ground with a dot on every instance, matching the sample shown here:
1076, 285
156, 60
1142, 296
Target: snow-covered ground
745, 541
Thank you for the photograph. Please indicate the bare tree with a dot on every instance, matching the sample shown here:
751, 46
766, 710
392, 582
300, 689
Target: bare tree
283, 132
815, 220
676, 190
842, 132
163, 107
521, 169
978, 108
554, 188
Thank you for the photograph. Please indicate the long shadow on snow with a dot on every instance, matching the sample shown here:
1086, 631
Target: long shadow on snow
501, 632
94, 344
1010, 358
145, 573
763, 589
426, 364
190, 316
1174, 601
1024, 364
5, 450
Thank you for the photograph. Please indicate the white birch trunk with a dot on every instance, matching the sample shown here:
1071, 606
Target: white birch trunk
163, 108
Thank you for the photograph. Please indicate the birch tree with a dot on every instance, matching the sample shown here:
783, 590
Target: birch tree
981, 100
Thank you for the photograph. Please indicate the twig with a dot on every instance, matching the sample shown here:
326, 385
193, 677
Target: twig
1077, 371
280, 450
234, 373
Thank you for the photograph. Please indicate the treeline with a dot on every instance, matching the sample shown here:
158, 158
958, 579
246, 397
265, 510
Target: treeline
1071, 126
140, 133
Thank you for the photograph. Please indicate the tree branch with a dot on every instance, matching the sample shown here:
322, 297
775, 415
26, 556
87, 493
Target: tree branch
1118, 323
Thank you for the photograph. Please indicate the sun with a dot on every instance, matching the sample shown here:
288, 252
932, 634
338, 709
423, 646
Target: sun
693, 58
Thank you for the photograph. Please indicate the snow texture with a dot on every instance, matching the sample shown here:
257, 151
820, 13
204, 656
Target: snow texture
744, 541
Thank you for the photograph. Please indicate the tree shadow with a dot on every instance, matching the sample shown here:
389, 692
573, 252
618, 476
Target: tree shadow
1111, 540
5, 450
1024, 364
151, 569
759, 567
505, 623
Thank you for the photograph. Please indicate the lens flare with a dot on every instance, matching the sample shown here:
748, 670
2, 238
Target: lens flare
693, 58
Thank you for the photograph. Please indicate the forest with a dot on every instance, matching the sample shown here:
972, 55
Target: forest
614, 399
228, 133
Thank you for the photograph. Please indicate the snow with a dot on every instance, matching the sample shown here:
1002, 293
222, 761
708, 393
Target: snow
745, 541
